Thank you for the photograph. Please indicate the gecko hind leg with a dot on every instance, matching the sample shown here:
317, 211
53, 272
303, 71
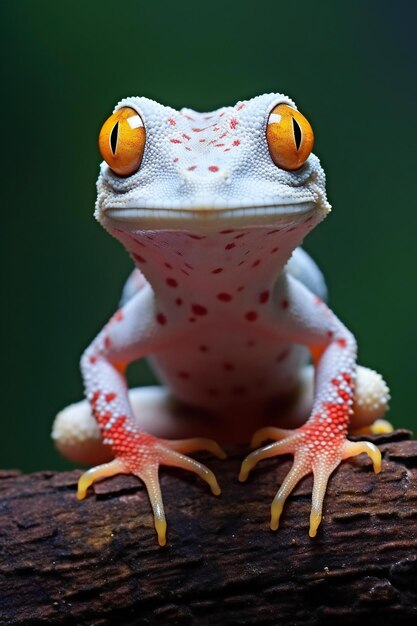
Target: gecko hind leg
151, 454
322, 457
309, 457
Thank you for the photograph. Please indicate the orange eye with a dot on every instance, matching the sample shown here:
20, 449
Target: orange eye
290, 137
122, 141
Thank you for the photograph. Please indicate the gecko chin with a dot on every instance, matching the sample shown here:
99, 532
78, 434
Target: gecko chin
207, 217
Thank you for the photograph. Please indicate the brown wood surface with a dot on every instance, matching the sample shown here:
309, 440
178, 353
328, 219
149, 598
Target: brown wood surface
97, 562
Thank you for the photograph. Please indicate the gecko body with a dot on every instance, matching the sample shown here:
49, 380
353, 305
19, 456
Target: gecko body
212, 209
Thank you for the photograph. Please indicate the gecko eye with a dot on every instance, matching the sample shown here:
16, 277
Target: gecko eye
122, 141
290, 137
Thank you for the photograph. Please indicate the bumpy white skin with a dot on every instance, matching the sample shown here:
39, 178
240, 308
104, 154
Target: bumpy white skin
211, 222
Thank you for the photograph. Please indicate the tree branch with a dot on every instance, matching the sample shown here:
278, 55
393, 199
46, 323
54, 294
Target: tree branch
97, 562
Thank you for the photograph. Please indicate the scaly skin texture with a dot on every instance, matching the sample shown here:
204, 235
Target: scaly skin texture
210, 222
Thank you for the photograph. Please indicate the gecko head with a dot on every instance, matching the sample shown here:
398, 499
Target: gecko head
249, 164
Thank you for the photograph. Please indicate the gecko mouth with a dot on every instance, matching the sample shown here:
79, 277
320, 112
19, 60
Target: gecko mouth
208, 214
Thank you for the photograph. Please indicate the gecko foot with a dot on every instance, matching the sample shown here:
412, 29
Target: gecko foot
313, 453
150, 454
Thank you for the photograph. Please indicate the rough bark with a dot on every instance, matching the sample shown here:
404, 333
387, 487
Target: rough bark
97, 562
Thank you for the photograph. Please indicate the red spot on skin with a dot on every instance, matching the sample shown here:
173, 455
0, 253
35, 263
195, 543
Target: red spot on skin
342, 343
217, 270
95, 397
197, 309
109, 397
93, 360
219, 145
171, 282
197, 130
236, 142
228, 366
274, 250
186, 137
203, 348
196, 236
175, 141
138, 258
230, 246
191, 319
343, 394
240, 236
256, 263
118, 316
271, 232
192, 168
176, 160
107, 342
224, 297
226, 232
223, 136
251, 316
240, 107
178, 302
347, 377
201, 140
233, 123
187, 148
329, 334
183, 375
172, 122
161, 319
168, 266
335, 382
226, 150
264, 297
213, 168
285, 304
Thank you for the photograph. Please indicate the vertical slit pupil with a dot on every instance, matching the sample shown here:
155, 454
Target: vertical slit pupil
297, 133
113, 137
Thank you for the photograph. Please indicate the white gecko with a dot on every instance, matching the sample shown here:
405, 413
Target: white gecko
212, 208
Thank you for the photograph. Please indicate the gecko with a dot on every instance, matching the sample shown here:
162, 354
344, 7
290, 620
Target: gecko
223, 301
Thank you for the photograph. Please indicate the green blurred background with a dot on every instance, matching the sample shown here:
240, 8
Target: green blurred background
350, 66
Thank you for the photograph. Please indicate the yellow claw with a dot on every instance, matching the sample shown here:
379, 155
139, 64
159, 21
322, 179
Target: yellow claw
381, 427
315, 519
284, 446
161, 530
353, 448
97, 473
276, 510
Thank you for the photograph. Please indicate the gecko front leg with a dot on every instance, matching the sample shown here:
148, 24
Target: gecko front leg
133, 332
321, 443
